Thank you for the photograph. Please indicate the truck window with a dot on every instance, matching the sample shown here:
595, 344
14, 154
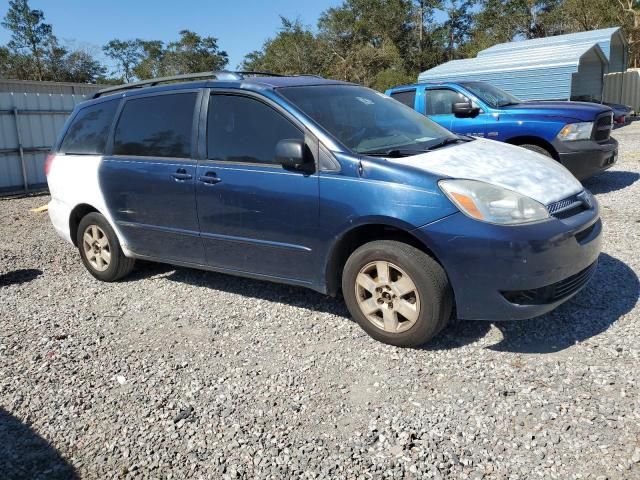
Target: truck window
408, 97
156, 126
88, 132
440, 101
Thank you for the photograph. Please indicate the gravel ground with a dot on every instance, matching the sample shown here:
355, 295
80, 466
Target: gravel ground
177, 373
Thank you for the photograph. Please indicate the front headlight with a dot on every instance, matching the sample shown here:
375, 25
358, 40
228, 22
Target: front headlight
490, 203
576, 131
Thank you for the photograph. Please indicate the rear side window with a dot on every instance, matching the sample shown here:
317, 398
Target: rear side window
408, 97
88, 132
440, 101
158, 126
241, 129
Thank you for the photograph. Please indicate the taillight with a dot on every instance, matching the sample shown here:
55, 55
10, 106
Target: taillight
48, 162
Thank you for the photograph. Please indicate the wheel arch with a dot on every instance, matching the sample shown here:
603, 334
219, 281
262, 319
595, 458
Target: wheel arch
76, 215
357, 236
533, 140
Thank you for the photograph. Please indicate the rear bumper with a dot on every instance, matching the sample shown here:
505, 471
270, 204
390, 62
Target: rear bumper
490, 267
59, 214
586, 158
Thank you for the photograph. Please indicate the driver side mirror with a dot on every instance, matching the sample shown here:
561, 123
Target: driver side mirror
465, 109
293, 154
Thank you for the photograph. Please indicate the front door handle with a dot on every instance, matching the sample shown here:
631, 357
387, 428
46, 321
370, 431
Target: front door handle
181, 175
210, 178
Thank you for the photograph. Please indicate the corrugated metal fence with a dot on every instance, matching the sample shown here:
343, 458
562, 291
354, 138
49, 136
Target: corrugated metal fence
623, 88
29, 126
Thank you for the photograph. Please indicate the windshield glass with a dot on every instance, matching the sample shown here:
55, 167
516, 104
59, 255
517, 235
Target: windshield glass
491, 95
364, 120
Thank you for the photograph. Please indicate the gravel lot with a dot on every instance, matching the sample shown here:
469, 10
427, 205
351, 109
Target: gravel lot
177, 373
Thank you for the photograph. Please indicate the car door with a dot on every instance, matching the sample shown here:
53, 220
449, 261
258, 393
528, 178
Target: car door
255, 217
439, 107
148, 179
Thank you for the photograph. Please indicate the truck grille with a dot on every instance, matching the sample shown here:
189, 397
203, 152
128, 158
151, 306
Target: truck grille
555, 291
603, 126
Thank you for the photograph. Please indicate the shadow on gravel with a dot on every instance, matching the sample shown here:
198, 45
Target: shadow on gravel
17, 277
612, 292
24, 454
610, 181
260, 289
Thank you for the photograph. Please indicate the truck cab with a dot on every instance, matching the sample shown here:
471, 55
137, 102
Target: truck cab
577, 134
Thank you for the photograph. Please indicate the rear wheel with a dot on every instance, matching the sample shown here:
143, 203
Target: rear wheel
398, 294
537, 149
100, 249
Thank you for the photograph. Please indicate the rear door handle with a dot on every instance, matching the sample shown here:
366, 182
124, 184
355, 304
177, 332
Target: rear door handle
209, 178
181, 175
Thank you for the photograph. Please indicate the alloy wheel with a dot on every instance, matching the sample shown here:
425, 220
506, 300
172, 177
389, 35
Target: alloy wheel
96, 248
387, 296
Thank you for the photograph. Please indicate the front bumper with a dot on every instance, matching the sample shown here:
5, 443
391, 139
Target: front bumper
585, 158
485, 262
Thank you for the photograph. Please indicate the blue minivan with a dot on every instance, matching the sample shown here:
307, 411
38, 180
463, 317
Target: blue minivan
577, 134
326, 185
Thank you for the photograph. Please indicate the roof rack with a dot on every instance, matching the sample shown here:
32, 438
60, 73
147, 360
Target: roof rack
219, 75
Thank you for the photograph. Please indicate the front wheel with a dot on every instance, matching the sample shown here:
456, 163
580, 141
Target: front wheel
100, 249
398, 294
537, 149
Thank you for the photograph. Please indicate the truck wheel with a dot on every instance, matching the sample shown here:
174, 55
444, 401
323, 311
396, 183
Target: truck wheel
537, 149
398, 294
100, 249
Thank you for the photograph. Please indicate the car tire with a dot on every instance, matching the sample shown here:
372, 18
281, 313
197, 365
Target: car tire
100, 249
382, 272
537, 149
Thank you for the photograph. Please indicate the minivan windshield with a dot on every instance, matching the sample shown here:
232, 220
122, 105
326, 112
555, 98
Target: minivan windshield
367, 121
492, 96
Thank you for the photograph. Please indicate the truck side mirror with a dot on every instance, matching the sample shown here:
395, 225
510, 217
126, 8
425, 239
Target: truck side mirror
464, 109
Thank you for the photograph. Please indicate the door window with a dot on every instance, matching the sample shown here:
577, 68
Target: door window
408, 97
89, 129
440, 101
156, 126
242, 129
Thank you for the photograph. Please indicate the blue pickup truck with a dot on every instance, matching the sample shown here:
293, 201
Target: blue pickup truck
577, 134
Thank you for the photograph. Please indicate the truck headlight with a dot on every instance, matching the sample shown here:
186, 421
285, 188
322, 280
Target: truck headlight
576, 131
490, 203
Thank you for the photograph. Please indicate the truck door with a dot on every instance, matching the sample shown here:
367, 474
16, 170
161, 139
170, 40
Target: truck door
439, 108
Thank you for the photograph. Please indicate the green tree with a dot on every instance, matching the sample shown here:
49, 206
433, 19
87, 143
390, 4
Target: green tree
29, 34
127, 54
192, 53
294, 50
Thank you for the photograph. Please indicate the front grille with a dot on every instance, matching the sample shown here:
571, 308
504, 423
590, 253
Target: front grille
554, 292
570, 206
602, 127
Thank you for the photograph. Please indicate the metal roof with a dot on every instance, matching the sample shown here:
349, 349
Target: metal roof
544, 72
601, 37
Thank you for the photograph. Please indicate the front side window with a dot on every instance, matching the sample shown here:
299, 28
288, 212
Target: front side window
242, 129
440, 101
406, 97
493, 96
88, 132
364, 120
157, 126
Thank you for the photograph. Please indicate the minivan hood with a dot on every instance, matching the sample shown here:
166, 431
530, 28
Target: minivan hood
523, 171
583, 111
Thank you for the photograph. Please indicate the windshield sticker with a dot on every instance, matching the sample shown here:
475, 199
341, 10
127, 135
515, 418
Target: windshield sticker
366, 101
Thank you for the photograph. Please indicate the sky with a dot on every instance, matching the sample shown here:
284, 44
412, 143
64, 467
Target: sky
239, 26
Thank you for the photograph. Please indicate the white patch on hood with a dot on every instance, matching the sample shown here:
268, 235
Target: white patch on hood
523, 171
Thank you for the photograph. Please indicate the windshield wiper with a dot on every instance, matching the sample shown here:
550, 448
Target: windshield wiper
393, 152
447, 141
